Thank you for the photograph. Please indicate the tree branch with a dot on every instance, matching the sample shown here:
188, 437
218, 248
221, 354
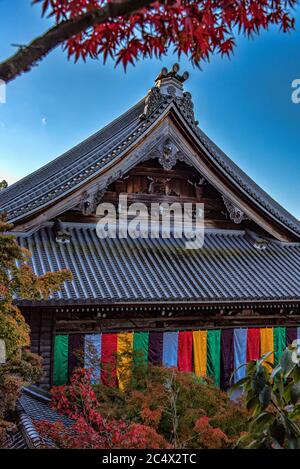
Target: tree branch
29, 55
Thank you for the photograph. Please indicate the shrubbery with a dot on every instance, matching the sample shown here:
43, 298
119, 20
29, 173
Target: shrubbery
14, 374
160, 408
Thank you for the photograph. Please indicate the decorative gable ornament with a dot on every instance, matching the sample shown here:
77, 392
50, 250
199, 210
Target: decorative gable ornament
169, 86
168, 153
153, 100
90, 201
168, 157
61, 234
235, 213
258, 242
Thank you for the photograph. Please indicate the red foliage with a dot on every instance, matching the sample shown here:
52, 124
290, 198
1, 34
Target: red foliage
196, 28
208, 436
90, 430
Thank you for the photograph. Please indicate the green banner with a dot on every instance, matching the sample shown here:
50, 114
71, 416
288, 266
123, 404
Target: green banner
60, 372
214, 355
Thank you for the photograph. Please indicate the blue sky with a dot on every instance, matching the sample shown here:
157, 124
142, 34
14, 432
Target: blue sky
243, 104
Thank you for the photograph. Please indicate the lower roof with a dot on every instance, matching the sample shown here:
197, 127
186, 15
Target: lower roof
227, 268
32, 406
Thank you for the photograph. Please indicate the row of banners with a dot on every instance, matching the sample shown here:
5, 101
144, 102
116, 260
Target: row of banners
215, 353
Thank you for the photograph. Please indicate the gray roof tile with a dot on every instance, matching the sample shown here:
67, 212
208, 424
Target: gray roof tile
228, 267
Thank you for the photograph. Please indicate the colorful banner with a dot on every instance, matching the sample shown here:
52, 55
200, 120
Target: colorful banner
279, 343
200, 352
155, 348
253, 344
92, 356
291, 335
124, 358
227, 365
240, 353
60, 370
140, 348
109, 359
185, 351
267, 345
215, 353
170, 349
76, 352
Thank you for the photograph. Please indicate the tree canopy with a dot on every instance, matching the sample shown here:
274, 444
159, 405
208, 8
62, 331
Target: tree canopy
17, 280
128, 30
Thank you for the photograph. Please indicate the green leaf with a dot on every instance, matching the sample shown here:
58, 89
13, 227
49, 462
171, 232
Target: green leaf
287, 392
250, 367
293, 443
265, 396
296, 413
259, 379
277, 431
264, 357
252, 403
238, 385
263, 419
295, 392
286, 362
296, 374
275, 371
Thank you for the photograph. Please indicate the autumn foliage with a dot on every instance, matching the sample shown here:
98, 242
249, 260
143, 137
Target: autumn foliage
17, 279
161, 408
196, 28
79, 402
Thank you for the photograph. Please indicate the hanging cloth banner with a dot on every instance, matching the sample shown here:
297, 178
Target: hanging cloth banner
124, 359
155, 348
214, 355
185, 351
76, 350
279, 343
267, 345
253, 344
140, 348
200, 352
108, 359
291, 335
226, 357
60, 372
92, 356
240, 353
170, 349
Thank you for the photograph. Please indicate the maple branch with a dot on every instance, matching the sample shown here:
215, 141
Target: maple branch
27, 56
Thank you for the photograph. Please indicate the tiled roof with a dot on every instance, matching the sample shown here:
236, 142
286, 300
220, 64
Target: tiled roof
69, 170
36, 407
228, 267
32, 406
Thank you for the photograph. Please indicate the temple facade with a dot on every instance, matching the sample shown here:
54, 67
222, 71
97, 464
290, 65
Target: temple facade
206, 309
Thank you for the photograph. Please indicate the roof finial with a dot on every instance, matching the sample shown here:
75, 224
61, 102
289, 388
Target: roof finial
170, 82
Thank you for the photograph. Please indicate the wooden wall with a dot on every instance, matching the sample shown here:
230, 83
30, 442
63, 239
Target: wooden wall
149, 182
42, 331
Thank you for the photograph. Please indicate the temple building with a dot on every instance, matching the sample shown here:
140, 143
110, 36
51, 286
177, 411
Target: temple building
206, 309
